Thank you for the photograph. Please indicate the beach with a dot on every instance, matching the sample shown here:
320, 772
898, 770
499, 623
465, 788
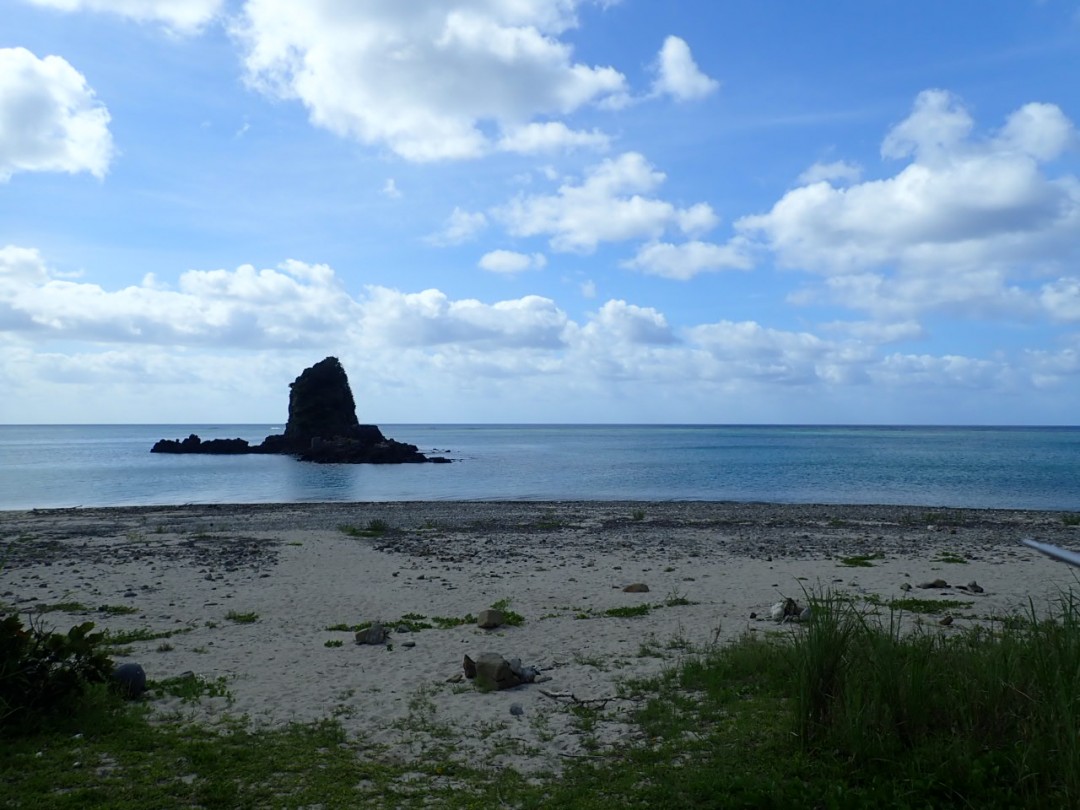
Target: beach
258, 597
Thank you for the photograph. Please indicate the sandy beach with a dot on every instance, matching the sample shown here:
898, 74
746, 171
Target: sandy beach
713, 570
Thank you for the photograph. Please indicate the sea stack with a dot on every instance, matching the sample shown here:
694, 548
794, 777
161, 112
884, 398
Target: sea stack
322, 427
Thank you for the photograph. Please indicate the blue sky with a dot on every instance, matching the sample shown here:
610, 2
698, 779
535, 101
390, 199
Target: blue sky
528, 211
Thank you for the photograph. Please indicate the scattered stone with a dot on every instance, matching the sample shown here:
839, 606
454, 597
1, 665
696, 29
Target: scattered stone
945, 622
470, 667
495, 672
753, 615
490, 619
517, 709
636, 587
905, 586
376, 634
129, 680
936, 583
409, 644
975, 587
785, 611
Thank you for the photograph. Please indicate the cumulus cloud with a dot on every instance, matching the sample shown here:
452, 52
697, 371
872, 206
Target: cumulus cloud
460, 227
684, 261
838, 170
551, 136
50, 119
509, 262
956, 228
678, 74
608, 205
182, 16
295, 304
521, 350
428, 81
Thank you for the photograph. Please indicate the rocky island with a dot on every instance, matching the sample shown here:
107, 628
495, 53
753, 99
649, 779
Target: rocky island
322, 427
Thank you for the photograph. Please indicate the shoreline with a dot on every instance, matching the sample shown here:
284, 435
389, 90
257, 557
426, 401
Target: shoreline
562, 565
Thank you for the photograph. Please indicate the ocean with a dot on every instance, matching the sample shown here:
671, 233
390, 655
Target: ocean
978, 467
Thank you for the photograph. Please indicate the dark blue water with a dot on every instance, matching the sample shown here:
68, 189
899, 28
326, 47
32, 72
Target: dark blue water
111, 465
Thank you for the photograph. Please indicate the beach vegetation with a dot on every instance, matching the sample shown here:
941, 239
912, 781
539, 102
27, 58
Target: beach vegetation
44, 672
549, 520
637, 515
333, 642
628, 611
117, 638
374, 528
510, 618
913, 604
117, 610
951, 558
860, 560
848, 709
1070, 520
189, 688
62, 607
165, 646
242, 618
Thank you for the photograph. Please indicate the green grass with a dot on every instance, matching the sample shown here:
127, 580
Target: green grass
628, 612
117, 610
242, 618
845, 711
860, 560
118, 637
1070, 520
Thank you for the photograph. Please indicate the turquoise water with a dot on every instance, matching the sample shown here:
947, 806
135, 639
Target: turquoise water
111, 465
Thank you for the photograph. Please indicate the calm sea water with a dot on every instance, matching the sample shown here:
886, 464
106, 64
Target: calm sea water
111, 465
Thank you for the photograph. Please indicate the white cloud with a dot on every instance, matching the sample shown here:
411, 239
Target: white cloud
391, 190
427, 80
551, 136
678, 75
136, 342
182, 16
607, 206
50, 119
429, 318
839, 170
460, 227
958, 228
1061, 299
294, 305
509, 262
683, 262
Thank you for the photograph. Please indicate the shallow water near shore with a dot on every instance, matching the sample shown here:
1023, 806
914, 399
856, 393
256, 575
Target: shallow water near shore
975, 467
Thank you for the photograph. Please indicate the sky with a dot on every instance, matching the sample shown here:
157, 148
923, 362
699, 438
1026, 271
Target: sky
553, 211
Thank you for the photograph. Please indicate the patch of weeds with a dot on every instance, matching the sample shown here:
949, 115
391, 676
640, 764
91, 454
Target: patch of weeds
119, 637
165, 647
837, 523
375, 528
1070, 520
550, 521
62, 607
509, 617
637, 515
242, 618
915, 605
447, 622
333, 642
591, 661
676, 599
950, 557
860, 560
210, 625
629, 611
189, 688
117, 610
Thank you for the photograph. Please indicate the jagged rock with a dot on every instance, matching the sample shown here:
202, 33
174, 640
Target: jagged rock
494, 672
469, 667
490, 619
637, 587
322, 427
129, 680
935, 583
376, 634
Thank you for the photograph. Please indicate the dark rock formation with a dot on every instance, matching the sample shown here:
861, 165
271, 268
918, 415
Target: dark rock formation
322, 427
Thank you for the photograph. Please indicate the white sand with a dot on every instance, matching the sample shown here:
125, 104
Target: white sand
186, 568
